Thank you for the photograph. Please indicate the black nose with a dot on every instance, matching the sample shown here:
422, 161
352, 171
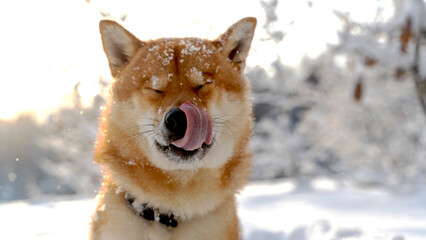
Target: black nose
175, 121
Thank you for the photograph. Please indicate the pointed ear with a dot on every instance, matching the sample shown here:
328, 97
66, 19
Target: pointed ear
119, 44
236, 41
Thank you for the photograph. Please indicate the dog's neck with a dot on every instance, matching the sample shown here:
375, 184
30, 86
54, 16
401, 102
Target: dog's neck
149, 213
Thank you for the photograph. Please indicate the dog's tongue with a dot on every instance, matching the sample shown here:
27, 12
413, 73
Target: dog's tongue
198, 128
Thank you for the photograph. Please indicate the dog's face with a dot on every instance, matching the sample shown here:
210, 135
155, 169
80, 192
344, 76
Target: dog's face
183, 102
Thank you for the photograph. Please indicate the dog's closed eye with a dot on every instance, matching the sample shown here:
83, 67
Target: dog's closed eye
199, 87
207, 82
155, 90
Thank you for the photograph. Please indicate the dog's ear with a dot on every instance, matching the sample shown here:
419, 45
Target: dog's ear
236, 41
119, 44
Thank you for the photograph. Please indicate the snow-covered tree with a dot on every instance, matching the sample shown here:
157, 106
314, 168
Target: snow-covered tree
354, 114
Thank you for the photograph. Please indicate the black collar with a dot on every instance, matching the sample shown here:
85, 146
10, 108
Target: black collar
149, 213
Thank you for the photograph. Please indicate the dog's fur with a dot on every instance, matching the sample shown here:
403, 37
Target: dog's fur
152, 77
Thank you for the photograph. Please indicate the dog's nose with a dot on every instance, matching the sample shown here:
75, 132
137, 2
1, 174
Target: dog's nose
175, 121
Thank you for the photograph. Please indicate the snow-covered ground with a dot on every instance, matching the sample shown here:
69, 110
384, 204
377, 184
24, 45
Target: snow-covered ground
270, 210
276, 210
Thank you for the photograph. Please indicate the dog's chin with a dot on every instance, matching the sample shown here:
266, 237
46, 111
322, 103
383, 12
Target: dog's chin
179, 155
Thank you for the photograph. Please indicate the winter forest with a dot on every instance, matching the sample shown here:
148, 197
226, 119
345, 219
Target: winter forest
339, 91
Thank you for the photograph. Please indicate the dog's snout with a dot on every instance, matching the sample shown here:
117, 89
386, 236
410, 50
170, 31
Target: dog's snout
175, 122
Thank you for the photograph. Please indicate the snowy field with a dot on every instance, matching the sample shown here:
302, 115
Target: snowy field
270, 210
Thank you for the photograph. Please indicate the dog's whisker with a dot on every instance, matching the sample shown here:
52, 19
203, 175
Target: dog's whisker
151, 126
224, 126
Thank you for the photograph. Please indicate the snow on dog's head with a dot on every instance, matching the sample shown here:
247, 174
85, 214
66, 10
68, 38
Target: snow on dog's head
177, 103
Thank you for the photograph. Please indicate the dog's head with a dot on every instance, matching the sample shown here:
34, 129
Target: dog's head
184, 102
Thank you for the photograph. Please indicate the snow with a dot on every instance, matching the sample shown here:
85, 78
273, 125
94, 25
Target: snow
154, 81
67, 219
269, 210
276, 210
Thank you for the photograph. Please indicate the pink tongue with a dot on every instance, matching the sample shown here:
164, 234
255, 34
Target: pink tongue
198, 128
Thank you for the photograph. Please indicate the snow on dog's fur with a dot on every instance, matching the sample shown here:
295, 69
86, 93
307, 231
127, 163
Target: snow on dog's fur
165, 91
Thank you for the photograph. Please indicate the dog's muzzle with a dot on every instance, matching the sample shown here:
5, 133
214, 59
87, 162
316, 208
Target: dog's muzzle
189, 127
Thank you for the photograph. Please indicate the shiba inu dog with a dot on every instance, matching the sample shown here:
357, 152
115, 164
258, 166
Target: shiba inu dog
173, 138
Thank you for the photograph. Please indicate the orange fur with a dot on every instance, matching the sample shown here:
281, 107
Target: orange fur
152, 77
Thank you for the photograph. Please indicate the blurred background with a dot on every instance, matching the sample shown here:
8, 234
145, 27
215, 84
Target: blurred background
336, 90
